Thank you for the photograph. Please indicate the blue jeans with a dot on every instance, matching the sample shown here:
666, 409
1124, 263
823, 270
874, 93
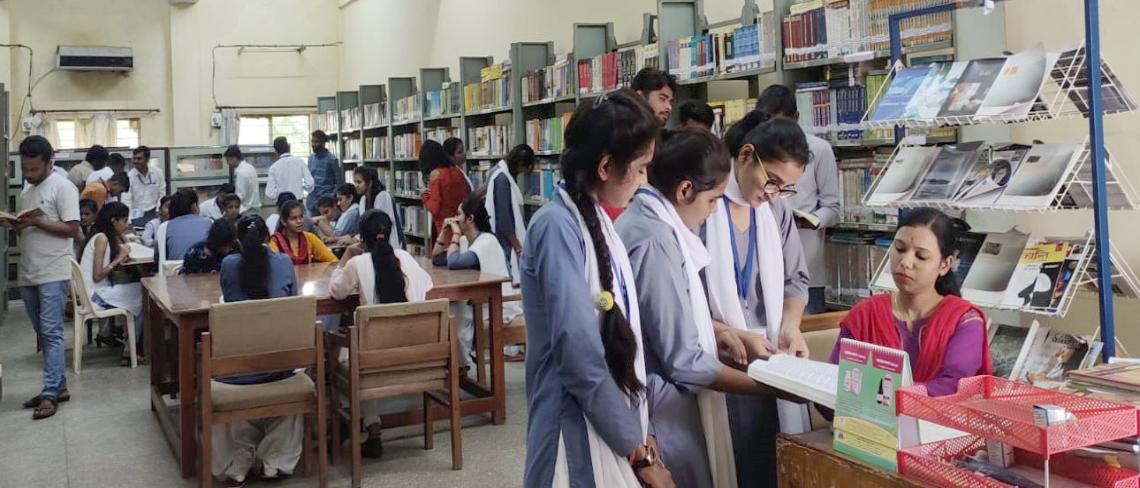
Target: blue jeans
45, 304
138, 321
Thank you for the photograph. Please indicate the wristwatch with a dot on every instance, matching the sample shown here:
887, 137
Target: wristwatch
649, 460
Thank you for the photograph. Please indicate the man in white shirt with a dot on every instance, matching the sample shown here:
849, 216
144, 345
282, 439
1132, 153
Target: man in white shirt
148, 186
245, 180
288, 174
213, 208
44, 269
818, 194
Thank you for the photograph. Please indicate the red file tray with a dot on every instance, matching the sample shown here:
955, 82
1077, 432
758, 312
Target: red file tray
994, 408
931, 464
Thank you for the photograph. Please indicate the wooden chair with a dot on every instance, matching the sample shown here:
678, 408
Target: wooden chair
396, 349
259, 336
86, 311
514, 334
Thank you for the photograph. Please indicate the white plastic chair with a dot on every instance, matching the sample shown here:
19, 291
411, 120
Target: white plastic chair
165, 267
85, 311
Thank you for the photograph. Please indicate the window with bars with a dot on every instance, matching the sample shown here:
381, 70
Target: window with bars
262, 129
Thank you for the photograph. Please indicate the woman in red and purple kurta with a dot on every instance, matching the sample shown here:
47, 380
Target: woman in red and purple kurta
943, 334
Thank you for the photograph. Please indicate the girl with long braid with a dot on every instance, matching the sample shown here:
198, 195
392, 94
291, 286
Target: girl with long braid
585, 371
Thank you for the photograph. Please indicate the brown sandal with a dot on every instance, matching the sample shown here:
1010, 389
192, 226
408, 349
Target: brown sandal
45, 409
34, 402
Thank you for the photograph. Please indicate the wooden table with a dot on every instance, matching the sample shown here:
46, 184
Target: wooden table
808, 460
181, 304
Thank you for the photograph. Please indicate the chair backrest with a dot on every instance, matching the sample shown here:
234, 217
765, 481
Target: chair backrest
822, 321
80, 296
254, 327
820, 333
398, 334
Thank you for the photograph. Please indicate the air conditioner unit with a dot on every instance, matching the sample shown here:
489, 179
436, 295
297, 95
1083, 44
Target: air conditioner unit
95, 58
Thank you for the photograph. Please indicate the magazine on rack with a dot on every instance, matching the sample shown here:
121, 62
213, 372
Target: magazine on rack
1043, 274
1071, 70
971, 90
991, 173
993, 266
946, 173
1009, 346
904, 85
935, 88
1040, 176
902, 175
1017, 85
1051, 355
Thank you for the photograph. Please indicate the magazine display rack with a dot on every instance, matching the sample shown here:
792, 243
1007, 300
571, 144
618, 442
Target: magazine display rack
1125, 282
988, 407
1064, 94
1073, 192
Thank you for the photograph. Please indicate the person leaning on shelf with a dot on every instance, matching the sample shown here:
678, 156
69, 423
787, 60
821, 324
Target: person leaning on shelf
943, 334
695, 113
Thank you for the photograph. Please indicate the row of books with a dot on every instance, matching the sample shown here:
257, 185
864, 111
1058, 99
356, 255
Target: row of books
407, 182
492, 91
615, 69
329, 121
857, 172
488, 140
353, 149
350, 119
440, 134
554, 81
728, 112
1039, 355
851, 261
377, 148
415, 220
815, 29
984, 175
406, 145
407, 110
478, 173
375, 114
546, 134
445, 101
538, 185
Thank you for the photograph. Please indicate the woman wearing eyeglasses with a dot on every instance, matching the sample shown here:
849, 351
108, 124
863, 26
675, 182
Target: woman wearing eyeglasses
758, 278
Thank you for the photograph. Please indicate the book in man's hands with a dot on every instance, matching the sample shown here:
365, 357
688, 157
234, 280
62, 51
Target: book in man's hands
808, 217
24, 215
811, 380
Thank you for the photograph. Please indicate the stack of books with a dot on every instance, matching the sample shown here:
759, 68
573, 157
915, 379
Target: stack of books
546, 134
406, 145
825, 29
489, 140
551, 82
493, 90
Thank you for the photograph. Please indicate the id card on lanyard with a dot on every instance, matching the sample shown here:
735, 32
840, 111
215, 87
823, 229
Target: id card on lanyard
743, 273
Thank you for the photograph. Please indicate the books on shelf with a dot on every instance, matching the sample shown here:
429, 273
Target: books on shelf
376, 114
728, 112
478, 173
415, 220
406, 145
851, 262
350, 119
538, 185
723, 51
407, 110
488, 140
546, 134
857, 172
554, 81
444, 101
332, 121
440, 134
407, 182
493, 90
353, 149
615, 69
817, 29
377, 148
1009, 346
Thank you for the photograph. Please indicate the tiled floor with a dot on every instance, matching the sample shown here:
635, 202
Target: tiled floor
106, 436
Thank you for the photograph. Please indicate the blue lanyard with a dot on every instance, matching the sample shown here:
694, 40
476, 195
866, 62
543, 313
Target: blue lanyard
743, 275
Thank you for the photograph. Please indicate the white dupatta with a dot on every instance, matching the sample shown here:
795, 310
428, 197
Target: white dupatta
711, 403
516, 210
611, 469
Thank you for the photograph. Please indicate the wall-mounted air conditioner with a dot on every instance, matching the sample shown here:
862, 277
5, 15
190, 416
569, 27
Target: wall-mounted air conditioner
95, 58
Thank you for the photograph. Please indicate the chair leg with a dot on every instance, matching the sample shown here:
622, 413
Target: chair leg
480, 344
205, 461
429, 428
306, 461
130, 325
354, 442
322, 441
77, 351
456, 427
337, 442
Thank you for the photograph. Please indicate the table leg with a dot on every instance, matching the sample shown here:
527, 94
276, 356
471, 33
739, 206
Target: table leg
150, 341
188, 431
498, 369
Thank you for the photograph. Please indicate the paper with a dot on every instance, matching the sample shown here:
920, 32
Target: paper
811, 380
866, 426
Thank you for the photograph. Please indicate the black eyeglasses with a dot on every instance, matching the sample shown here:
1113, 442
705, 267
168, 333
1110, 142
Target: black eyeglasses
771, 188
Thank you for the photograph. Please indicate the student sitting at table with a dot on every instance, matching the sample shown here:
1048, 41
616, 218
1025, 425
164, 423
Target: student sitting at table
339, 221
87, 212
943, 334
185, 227
213, 208
231, 208
104, 252
206, 256
471, 245
256, 273
273, 222
152, 225
292, 240
379, 273
373, 195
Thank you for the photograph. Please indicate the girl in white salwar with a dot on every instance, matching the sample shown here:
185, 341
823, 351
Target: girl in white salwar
585, 372
379, 274
105, 251
687, 411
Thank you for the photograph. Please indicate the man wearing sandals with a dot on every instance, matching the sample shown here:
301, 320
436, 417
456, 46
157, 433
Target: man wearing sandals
44, 270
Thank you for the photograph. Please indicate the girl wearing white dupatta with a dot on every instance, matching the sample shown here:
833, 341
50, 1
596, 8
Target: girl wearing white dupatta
688, 413
505, 203
585, 372
758, 277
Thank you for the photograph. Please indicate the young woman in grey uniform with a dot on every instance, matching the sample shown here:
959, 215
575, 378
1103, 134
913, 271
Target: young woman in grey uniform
687, 411
585, 373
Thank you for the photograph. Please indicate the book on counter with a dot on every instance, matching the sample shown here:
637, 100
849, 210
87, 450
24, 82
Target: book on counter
811, 380
1124, 376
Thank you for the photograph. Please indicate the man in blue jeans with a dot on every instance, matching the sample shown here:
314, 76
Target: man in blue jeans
45, 252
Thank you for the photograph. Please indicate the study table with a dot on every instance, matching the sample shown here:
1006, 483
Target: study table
182, 302
808, 460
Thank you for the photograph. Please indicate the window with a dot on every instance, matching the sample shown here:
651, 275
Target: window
262, 129
127, 132
65, 129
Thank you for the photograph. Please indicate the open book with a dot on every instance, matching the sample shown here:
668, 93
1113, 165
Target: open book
808, 217
23, 215
811, 380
